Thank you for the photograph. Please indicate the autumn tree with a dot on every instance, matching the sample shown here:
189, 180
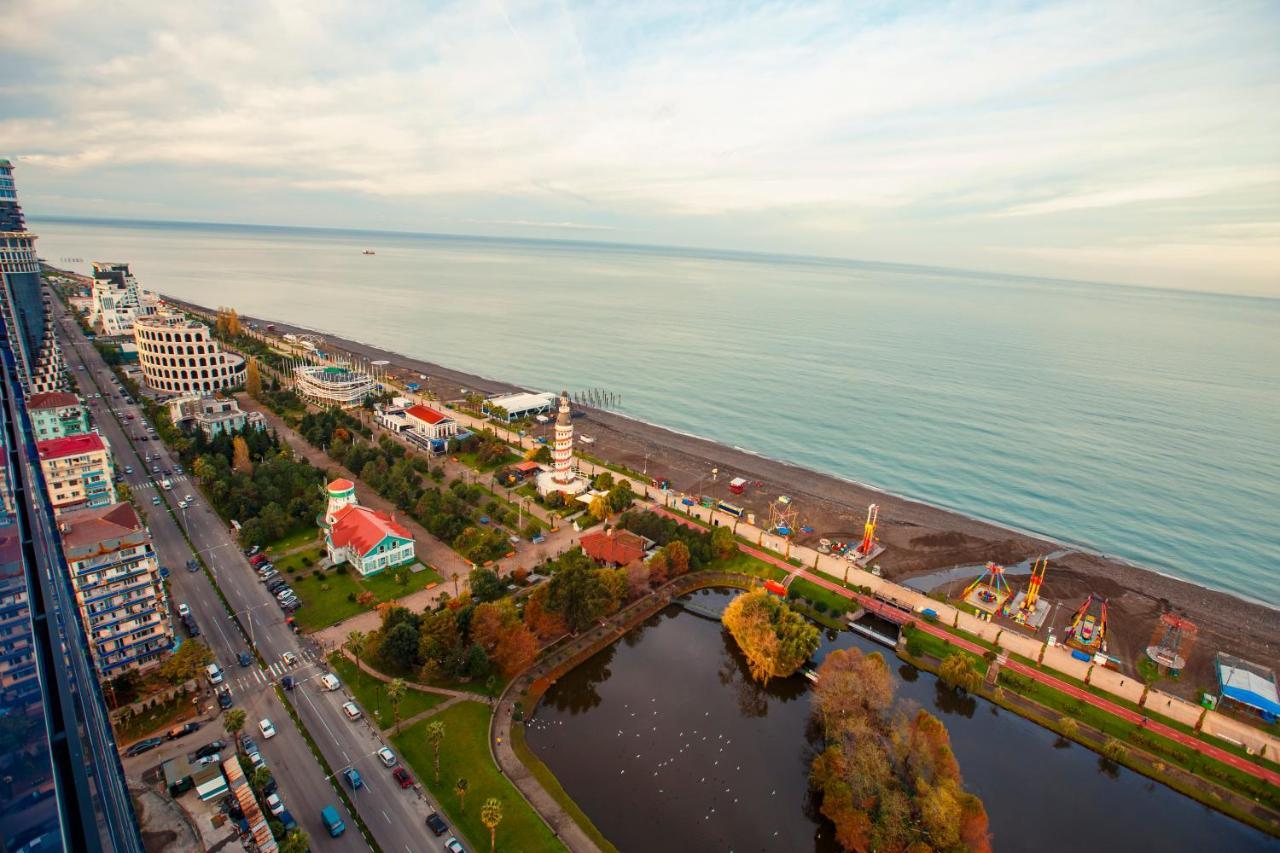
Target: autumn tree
599, 508
491, 816
496, 627
957, 670
774, 639
240, 460
637, 578
677, 558
722, 543
540, 618
852, 685
577, 593
253, 379
659, 568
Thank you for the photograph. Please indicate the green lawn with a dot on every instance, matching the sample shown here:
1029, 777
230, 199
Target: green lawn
324, 600
749, 565
836, 603
385, 586
307, 559
306, 536
469, 459
465, 754
371, 694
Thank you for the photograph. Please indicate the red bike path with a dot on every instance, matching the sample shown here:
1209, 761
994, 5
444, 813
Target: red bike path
901, 616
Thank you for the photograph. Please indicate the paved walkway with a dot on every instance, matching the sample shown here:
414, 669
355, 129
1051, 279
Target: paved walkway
1129, 715
425, 688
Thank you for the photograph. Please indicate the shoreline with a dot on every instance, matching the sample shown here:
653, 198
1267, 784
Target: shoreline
920, 537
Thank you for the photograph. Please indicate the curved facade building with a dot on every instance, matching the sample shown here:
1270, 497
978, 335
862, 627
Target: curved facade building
179, 356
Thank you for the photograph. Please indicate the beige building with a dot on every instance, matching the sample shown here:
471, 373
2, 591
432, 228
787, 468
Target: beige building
77, 471
116, 579
180, 356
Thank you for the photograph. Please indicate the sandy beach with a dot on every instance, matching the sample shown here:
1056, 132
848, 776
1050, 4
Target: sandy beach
920, 538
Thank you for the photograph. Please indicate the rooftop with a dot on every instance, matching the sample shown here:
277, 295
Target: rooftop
522, 401
84, 528
52, 400
341, 485
1248, 683
71, 445
362, 528
613, 546
426, 413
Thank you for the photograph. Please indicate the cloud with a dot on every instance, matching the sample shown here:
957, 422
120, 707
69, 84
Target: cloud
820, 128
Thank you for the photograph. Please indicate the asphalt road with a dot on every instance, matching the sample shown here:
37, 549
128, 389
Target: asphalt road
395, 817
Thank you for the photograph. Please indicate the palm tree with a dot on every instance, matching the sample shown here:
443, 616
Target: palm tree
435, 737
491, 816
395, 692
357, 642
233, 722
460, 788
260, 778
296, 842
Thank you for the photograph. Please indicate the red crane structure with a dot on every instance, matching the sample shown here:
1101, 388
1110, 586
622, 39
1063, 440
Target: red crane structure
1172, 642
869, 530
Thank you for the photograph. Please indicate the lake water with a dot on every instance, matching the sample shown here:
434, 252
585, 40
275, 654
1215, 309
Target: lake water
666, 744
1141, 423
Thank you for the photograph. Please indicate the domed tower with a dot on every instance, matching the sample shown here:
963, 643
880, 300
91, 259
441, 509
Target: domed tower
342, 493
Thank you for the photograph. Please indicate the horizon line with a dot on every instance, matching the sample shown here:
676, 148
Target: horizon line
745, 255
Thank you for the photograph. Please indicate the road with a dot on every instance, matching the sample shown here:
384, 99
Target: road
395, 817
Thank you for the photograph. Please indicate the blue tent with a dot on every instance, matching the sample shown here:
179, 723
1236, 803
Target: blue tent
1248, 684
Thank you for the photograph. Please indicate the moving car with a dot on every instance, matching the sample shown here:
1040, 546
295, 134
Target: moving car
352, 776
351, 710
210, 748
214, 673
387, 757
143, 746
436, 824
244, 658
268, 730
289, 658
224, 699
183, 611
329, 681
333, 823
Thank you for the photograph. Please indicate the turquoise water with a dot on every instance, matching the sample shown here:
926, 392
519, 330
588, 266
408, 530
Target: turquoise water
1139, 422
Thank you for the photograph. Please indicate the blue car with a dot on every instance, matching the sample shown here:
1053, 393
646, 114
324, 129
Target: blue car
353, 779
244, 659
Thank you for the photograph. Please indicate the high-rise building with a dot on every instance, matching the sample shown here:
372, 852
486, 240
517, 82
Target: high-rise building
116, 298
23, 300
117, 583
62, 787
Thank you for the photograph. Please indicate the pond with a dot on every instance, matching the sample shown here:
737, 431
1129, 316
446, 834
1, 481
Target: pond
667, 744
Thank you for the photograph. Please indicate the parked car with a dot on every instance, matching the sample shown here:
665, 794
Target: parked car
258, 558
210, 748
351, 710
453, 845
183, 610
143, 746
274, 585
253, 552
212, 758
402, 777
387, 757
268, 730
256, 759
274, 804
247, 744
288, 821
268, 575
182, 731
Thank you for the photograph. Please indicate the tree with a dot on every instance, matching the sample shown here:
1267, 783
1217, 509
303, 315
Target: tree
187, 662
240, 455
516, 648
296, 842
677, 558
1070, 728
124, 494
233, 722
400, 645
621, 496
637, 578
485, 584
260, 779
659, 568
851, 685
599, 508
357, 642
253, 379
491, 816
460, 788
722, 544
577, 593
435, 737
1114, 750
539, 617
958, 671
774, 639
395, 693
603, 482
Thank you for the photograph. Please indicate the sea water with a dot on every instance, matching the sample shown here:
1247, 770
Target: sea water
1139, 422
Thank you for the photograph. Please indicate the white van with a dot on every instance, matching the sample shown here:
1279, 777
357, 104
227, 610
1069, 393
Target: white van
329, 681
214, 672
166, 484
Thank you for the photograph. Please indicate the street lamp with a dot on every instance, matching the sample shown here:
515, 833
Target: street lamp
248, 611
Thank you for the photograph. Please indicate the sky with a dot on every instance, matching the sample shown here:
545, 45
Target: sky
1127, 142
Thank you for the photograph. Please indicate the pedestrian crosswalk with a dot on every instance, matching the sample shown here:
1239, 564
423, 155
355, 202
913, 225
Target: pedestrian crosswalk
259, 677
173, 481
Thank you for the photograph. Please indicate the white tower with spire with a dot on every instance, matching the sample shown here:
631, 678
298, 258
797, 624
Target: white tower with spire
561, 477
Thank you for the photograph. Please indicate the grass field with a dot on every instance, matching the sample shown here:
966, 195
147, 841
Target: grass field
324, 599
305, 559
371, 694
293, 540
465, 754
385, 586
748, 565
836, 603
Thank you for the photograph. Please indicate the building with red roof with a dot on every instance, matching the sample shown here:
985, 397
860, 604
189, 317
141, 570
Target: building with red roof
615, 548
56, 414
429, 423
77, 470
367, 539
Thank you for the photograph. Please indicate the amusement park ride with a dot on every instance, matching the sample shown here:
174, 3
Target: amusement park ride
990, 591
1026, 608
783, 522
1172, 642
1088, 631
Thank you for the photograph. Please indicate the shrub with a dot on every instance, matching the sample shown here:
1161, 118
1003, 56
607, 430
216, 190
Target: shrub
820, 606
351, 596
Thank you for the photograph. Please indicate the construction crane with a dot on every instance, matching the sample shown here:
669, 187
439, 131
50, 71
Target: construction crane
869, 530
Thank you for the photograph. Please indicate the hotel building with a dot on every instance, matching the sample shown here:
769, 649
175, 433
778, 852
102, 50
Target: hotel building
116, 300
116, 579
179, 356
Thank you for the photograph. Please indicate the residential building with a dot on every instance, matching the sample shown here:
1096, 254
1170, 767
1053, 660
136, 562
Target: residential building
117, 584
213, 416
369, 540
24, 299
116, 298
57, 414
179, 355
64, 787
77, 471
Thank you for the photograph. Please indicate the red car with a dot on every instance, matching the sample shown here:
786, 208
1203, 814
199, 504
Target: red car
257, 559
402, 776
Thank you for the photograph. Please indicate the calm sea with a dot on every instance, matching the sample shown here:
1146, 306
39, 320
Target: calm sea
1142, 423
